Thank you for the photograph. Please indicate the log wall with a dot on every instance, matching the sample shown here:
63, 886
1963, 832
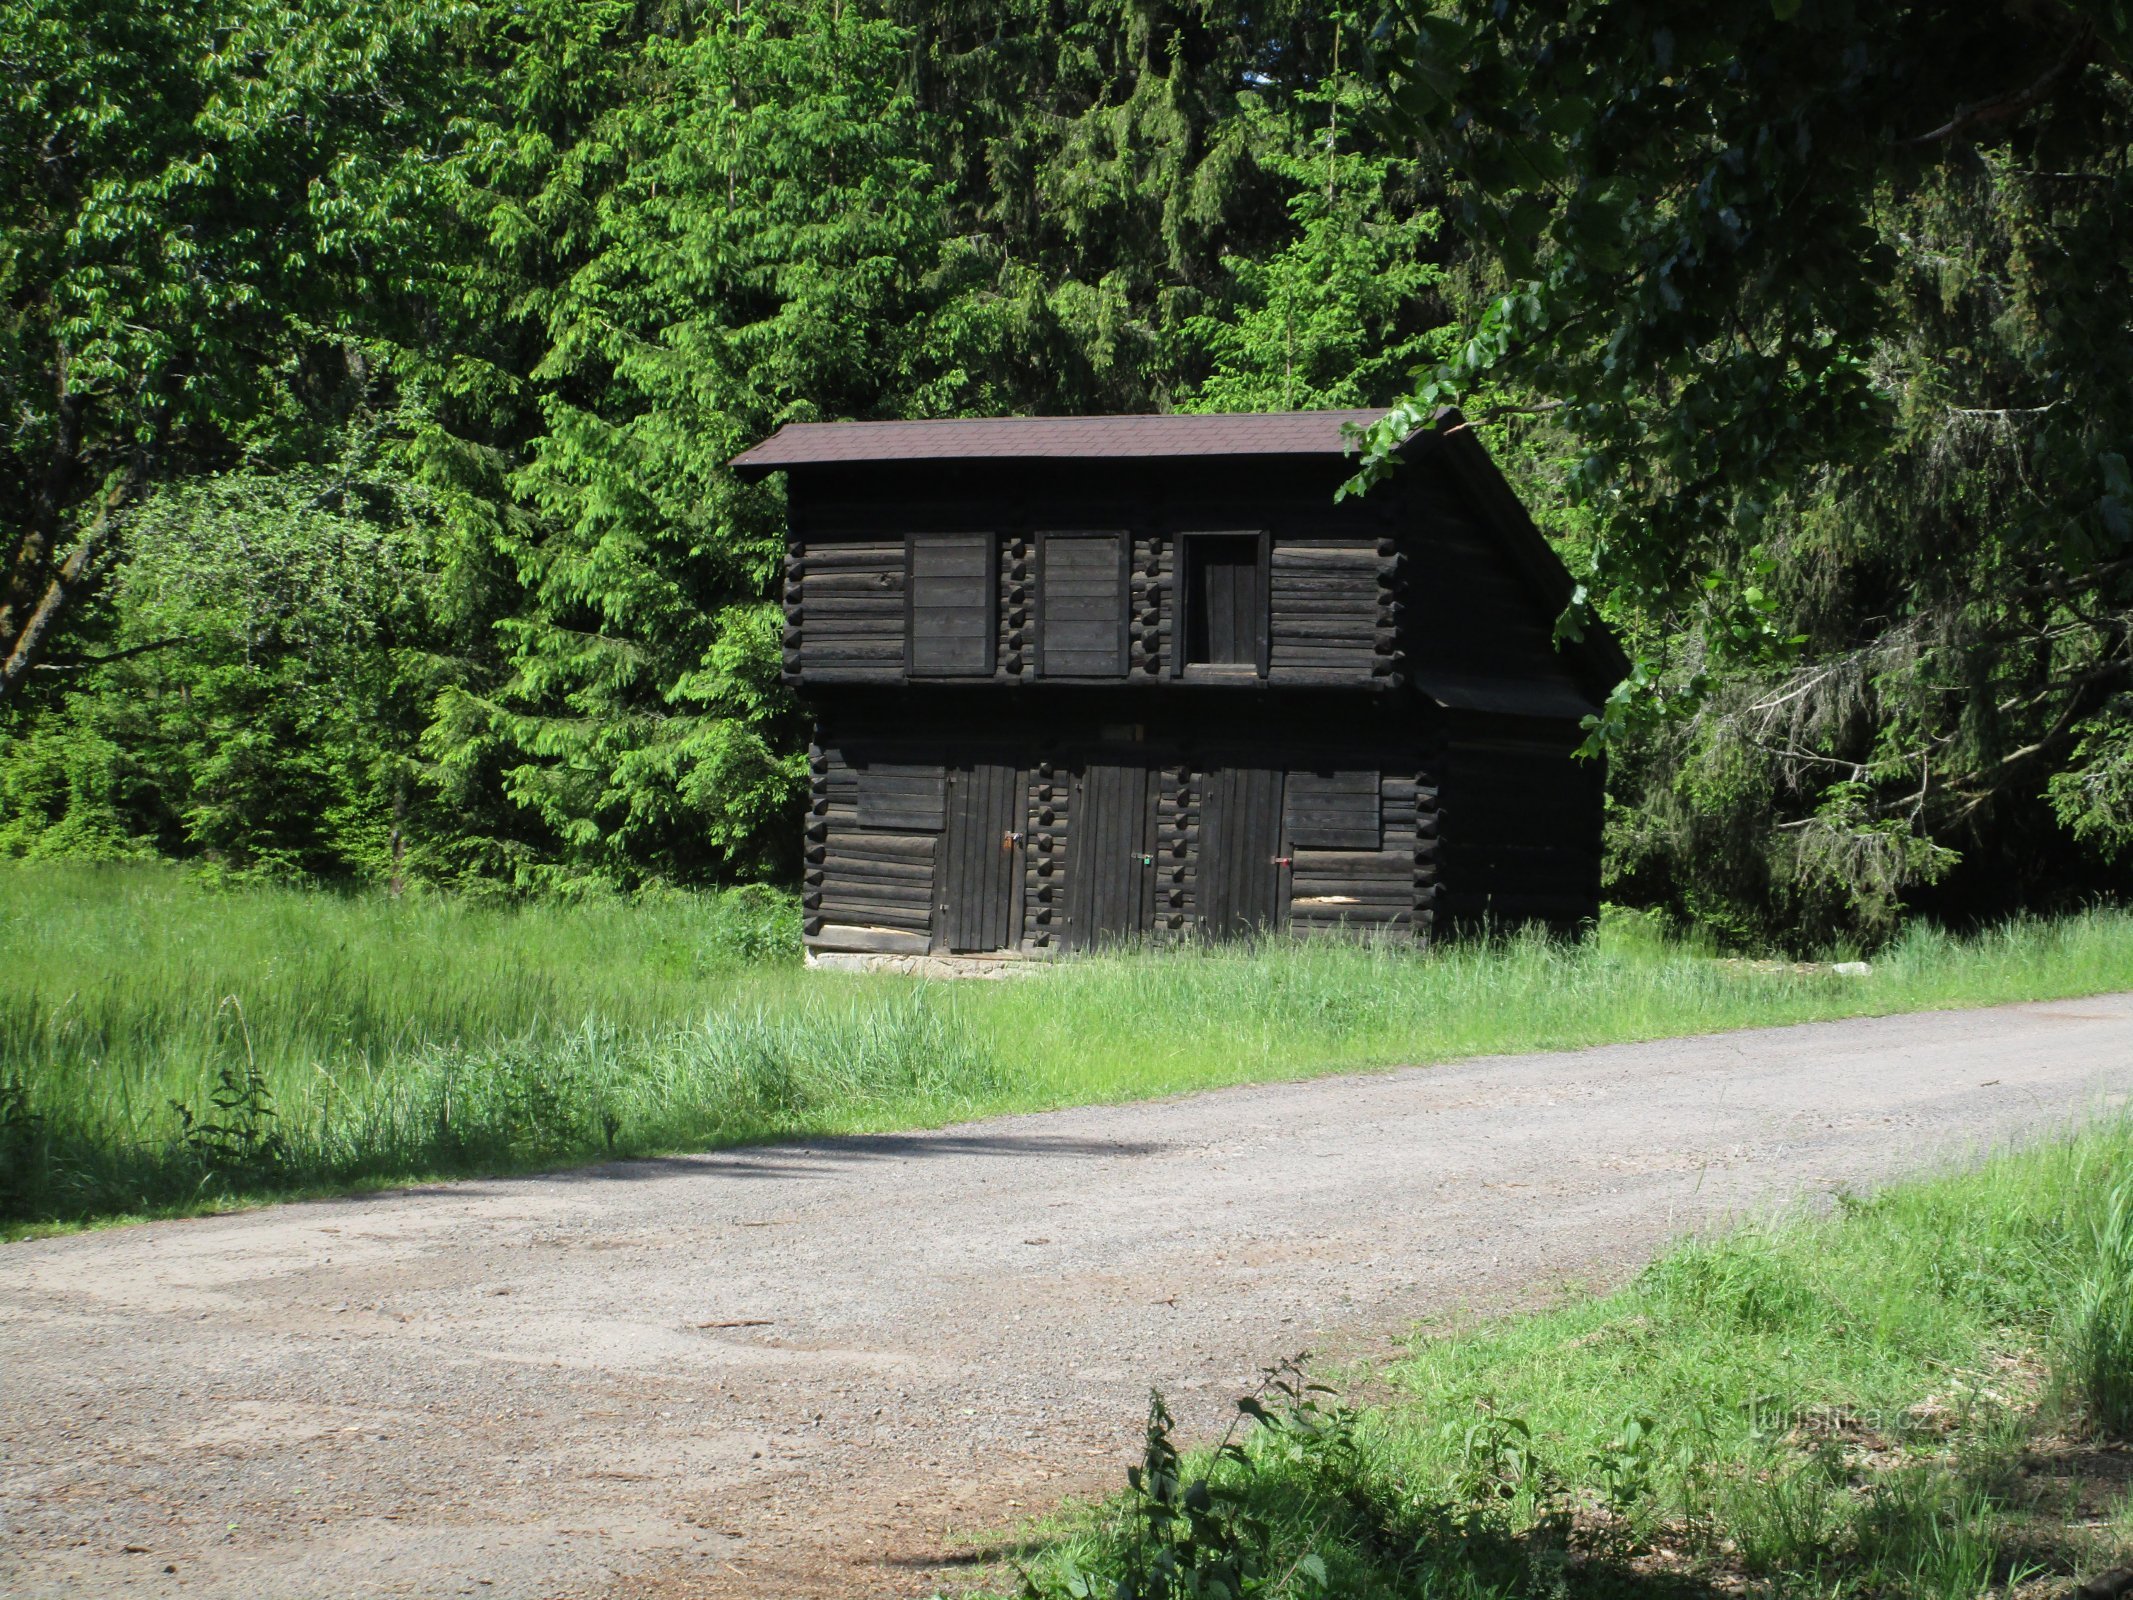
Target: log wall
1044, 863
1521, 827
844, 611
1332, 611
868, 889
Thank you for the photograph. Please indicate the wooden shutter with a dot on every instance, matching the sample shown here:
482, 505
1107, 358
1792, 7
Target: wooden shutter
1334, 810
1081, 600
902, 796
952, 586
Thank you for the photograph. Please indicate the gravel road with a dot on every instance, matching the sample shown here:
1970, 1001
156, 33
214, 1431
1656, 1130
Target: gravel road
816, 1369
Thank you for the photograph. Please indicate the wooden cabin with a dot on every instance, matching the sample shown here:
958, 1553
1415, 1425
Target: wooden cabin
1085, 679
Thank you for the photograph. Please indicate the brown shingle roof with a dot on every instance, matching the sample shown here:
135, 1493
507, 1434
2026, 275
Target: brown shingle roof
1283, 433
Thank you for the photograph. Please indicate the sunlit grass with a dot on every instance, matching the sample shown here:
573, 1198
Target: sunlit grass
400, 1039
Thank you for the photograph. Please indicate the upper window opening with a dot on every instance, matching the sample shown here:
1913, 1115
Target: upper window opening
1225, 618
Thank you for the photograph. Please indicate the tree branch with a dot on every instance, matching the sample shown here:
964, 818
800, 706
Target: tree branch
116, 655
23, 647
2009, 106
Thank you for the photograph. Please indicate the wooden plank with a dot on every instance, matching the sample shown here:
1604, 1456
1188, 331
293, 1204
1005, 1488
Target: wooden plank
1304, 677
1296, 656
874, 916
1325, 557
847, 588
953, 627
968, 557
1060, 611
1376, 891
873, 849
891, 902
1351, 863
824, 607
837, 867
849, 561
1363, 820
1290, 591
864, 940
832, 633
1355, 626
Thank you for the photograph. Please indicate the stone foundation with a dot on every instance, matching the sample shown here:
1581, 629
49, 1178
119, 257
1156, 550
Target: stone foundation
1000, 966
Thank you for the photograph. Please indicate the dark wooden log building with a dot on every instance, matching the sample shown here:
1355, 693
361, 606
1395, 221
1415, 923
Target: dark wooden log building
1093, 678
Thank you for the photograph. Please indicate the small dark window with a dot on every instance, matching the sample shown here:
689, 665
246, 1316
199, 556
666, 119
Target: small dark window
1225, 612
952, 604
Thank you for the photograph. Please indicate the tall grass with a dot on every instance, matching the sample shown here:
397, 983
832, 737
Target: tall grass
2099, 1358
1901, 1399
317, 1040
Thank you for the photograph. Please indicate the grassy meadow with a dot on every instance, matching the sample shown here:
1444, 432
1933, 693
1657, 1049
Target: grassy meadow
1926, 1395
167, 1045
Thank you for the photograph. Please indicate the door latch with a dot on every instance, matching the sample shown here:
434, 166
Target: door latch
1284, 861
1146, 861
1010, 839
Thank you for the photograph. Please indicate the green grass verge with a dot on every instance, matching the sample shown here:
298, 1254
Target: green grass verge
1922, 1395
318, 1042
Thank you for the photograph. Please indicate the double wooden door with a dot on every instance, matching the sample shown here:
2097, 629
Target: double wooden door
1109, 892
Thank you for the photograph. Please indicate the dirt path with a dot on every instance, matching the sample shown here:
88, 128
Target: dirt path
792, 1371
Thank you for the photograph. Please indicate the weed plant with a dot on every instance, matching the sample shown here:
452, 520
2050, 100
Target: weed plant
167, 1045
1920, 1396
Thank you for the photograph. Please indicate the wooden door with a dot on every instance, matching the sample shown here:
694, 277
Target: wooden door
980, 858
1239, 879
1110, 855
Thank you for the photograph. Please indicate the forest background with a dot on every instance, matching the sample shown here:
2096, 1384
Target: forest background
370, 371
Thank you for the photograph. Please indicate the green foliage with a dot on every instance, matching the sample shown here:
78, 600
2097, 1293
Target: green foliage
1339, 315
547, 267
1815, 306
1798, 325
256, 692
218, 219
751, 229
1819, 1407
235, 1142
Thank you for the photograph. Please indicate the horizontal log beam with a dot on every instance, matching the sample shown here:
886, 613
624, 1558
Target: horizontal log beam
865, 940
